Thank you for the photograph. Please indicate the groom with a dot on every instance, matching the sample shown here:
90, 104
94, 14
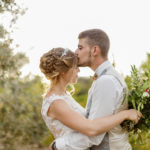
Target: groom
107, 95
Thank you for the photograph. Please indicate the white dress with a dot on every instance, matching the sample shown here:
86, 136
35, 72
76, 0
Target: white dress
58, 129
55, 126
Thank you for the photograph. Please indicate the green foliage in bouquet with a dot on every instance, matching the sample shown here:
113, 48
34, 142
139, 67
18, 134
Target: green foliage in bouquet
139, 99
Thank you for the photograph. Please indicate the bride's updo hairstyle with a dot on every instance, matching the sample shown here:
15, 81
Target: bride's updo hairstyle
56, 61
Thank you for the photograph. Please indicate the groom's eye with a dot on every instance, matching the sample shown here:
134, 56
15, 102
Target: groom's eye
80, 48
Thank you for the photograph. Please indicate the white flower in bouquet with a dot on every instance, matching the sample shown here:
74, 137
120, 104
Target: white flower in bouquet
145, 94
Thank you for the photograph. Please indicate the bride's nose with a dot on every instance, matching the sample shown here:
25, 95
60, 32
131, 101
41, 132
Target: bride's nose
76, 51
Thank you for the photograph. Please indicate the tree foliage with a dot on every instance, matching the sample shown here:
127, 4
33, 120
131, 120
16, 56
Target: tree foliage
20, 97
146, 64
11, 7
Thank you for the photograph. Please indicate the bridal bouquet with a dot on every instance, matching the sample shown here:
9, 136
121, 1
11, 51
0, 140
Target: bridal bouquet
139, 99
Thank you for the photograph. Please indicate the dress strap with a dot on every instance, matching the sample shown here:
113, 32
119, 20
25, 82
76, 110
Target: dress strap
48, 101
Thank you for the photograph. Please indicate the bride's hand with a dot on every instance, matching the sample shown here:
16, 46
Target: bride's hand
133, 115
50, 146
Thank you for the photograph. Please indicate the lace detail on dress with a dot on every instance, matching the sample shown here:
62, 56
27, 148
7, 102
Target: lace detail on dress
47, 102
55, 126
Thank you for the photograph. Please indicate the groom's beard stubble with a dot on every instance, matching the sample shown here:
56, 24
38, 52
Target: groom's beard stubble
86, 63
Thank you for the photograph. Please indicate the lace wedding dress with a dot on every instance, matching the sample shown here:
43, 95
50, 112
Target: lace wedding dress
56, 127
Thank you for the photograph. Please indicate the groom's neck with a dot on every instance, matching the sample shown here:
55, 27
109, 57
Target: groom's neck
97, 62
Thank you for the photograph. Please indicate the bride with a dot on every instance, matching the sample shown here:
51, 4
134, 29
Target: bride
61, 113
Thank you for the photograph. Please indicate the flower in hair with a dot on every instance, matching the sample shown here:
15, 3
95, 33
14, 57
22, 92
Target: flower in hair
65, 52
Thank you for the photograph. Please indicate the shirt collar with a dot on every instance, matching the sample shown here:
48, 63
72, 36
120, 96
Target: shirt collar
106, 64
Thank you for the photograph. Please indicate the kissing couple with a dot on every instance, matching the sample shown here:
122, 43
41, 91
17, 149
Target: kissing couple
96, 127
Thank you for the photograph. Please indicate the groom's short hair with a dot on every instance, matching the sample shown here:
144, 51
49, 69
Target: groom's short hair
97, 37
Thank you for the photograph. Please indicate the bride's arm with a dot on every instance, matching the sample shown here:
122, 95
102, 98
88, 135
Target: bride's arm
61, 111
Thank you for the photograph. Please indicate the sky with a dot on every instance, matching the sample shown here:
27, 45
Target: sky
57, 23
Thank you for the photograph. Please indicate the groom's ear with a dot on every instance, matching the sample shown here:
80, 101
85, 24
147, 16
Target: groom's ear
95, 50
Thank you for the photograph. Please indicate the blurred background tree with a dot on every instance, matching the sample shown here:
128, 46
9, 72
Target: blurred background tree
146, 64
20, 97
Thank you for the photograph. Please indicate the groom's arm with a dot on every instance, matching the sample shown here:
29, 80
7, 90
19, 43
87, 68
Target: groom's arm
103, 104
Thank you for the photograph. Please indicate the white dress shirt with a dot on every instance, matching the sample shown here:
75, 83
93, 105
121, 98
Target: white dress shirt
106, 93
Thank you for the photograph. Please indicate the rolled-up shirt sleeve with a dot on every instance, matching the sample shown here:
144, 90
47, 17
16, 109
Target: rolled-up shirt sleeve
103, 104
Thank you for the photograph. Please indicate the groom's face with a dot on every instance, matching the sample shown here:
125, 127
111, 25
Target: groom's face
84, 53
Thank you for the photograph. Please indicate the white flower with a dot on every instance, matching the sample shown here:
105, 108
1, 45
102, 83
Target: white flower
145, 94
